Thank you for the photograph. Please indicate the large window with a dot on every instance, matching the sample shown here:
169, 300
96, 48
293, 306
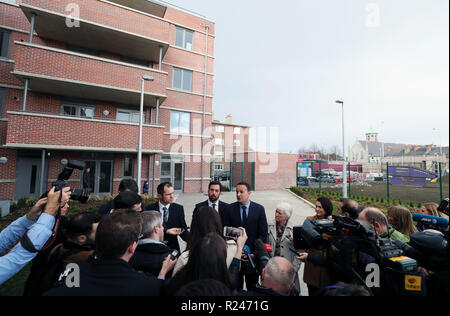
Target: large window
182, 79
77, 108
180, 122
184, 38
4, 43
129, 116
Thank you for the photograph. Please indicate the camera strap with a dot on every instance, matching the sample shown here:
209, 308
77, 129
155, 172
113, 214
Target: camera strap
28, 245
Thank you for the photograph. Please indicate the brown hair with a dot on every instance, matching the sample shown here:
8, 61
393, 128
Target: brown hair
401, 220
205, 221
116, 232
433, 209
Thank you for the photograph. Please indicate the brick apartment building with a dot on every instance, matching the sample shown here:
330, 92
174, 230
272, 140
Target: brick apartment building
70, 89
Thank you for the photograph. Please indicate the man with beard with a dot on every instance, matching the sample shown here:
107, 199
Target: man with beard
214, 192
79, 246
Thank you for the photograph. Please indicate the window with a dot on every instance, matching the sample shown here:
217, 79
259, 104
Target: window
128, 164
4, 43
134, 61
219, 154
2, 97
129, 116
184, 38
219, 141
180, 122
77, 109
237, 143
220, 129
83, 50
182, 79
218, 166
237, 130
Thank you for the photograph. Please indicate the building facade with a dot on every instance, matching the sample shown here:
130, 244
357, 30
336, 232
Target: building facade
71, 80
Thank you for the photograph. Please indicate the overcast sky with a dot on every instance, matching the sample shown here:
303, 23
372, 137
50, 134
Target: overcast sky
284, 63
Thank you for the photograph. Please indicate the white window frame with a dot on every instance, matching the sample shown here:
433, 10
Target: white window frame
219, 167
183, 72
219, 154
184, 43
237, 131
78, 108
177, 130
220, 129
219, 141
131, 113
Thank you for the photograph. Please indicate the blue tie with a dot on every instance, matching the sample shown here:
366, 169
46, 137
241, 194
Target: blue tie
244, 215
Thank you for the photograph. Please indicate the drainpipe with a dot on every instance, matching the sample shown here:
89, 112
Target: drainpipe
41, 187
204, 106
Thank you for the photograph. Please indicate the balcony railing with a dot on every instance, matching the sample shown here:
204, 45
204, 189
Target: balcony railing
60, 72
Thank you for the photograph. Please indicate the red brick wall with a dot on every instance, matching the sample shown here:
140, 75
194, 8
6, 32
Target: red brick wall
37, 60
281, 171
26, 129
8, 172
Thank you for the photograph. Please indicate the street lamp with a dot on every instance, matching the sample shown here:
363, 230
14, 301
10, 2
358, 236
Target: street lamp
344, 164
141, 114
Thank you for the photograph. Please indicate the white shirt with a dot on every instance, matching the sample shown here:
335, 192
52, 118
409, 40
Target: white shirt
161, 208
210, 204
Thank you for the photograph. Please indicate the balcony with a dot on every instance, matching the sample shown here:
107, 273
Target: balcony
146, 6
55, 71
102, 26
35, 130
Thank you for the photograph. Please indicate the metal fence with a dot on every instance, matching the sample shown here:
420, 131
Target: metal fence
229, 174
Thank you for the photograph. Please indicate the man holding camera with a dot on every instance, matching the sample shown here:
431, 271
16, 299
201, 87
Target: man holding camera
34, 230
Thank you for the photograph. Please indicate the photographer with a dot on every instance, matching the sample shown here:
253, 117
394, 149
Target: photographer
375, 217
35, 229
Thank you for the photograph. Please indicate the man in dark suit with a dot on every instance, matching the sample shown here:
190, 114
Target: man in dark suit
214, 191
173, 215
251, 216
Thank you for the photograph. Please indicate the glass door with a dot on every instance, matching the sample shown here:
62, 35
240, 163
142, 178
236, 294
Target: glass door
178, 176
99, 177
105, 176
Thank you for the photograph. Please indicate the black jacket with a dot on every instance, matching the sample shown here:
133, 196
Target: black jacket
222, 206
256, 227
109, 278
262, 291
176, 220
106, 208
149, 258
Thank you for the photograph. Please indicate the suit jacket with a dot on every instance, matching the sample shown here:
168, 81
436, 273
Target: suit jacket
256, 227
176, 220
222, 206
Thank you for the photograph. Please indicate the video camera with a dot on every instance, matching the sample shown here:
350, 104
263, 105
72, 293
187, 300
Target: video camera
81, 195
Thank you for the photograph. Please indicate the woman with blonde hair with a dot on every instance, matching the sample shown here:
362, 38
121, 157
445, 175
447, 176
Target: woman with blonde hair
430, 209
401, 219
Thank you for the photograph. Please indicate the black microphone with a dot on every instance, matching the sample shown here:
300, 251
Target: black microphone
261, 253
247, 252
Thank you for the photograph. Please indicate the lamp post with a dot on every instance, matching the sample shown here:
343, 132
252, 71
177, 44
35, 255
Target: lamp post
141, 114
344, 165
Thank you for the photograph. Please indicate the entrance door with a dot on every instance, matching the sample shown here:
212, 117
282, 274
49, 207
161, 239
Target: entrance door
28, 178
99, 177
173, 171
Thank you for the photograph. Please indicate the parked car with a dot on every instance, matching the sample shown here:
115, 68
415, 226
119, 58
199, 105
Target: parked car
222, 176
302, 181
326, 179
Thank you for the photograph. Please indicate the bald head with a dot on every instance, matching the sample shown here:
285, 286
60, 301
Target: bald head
373, 215
278, 275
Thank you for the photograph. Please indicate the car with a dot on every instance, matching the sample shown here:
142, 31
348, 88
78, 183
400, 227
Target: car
302, 181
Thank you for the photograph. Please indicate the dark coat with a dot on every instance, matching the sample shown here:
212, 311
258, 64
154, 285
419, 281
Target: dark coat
176, 220
109, 278
149, 258
222, 206
256, 227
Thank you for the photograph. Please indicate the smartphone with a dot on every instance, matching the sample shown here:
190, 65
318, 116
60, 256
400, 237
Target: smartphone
231, 232
174, 255
294, 252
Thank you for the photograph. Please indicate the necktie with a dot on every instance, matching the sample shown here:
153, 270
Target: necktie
166, 215
214, 207
244, 215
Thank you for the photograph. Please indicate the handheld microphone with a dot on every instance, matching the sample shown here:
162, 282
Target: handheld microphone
268, 248
247, 252
433, 220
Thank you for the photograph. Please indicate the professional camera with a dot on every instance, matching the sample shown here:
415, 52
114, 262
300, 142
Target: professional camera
81, 195
444, 207
311, 234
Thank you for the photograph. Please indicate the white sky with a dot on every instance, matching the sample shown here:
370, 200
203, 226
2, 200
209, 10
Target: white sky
284, 63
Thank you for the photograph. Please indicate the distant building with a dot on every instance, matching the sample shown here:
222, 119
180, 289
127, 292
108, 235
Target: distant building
373, 154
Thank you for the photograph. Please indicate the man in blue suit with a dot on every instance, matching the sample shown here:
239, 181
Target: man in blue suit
251, 216
174, 221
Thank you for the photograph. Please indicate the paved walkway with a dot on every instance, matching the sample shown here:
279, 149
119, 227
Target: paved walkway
269, 199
